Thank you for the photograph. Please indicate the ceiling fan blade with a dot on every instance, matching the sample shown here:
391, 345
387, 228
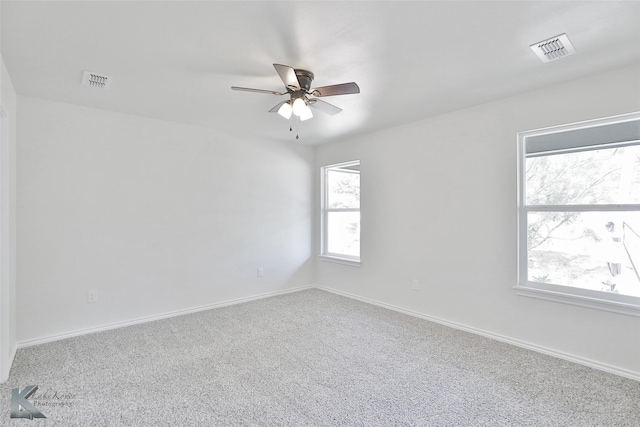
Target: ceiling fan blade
288, 76
325, 107
277, 107
246, 89
341, 89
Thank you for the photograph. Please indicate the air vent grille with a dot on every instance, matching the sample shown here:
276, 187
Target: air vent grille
554, 48
99, 81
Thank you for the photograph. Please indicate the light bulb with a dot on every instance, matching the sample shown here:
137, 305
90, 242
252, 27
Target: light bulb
285, 110
299, 106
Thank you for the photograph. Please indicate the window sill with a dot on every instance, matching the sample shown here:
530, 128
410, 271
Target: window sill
621, 307
338, 260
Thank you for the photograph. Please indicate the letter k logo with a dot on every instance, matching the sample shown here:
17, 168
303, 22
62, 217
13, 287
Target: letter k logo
19, 400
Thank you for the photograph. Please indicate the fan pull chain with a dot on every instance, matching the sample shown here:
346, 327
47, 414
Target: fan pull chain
297, 127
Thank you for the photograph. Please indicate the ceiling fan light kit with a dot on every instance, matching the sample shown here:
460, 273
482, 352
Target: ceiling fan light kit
297, 83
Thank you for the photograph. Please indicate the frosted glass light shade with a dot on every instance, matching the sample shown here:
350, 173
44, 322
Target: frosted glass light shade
306, 114
285, 110
299, 106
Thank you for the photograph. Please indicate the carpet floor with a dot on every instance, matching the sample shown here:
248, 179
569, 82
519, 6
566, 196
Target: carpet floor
308, 358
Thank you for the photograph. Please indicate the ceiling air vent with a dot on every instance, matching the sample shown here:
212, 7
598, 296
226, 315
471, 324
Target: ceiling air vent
554, 48
96, 80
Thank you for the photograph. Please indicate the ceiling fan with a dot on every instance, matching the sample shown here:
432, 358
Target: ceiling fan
298, 86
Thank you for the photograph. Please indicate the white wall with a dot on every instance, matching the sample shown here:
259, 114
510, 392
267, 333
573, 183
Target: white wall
157, 216
7, 226
439, 205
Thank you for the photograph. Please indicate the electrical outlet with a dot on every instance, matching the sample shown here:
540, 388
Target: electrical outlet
260, 271
415, 285
92, 296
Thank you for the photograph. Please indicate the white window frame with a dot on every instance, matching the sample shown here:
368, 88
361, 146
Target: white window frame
325, 255
590, 136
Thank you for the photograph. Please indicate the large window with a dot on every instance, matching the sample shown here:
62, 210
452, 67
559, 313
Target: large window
579, 213
341, 212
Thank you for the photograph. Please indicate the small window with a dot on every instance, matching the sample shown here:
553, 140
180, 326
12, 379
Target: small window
341, 212
579, 213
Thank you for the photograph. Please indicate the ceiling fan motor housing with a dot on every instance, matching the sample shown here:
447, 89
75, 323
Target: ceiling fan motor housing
304, 78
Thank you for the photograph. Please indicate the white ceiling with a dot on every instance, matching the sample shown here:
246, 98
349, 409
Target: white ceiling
177, 60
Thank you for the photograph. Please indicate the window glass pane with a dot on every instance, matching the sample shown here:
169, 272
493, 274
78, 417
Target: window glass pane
343, 233
607, 176
589, 250
343, 189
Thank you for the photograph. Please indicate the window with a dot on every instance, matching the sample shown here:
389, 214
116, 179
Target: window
579, 213
341, 212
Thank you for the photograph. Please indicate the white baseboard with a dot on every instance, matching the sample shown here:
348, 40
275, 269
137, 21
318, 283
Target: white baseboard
523, 344
116, 325
4, 376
